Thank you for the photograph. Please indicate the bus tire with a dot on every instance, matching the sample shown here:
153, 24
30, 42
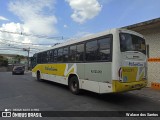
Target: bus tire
74, 85
39, 76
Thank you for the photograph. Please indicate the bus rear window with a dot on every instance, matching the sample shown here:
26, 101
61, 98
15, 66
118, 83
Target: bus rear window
129, 42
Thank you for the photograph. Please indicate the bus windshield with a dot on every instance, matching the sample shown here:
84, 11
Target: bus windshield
129, 42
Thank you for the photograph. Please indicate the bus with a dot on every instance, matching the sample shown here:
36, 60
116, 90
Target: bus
111, 61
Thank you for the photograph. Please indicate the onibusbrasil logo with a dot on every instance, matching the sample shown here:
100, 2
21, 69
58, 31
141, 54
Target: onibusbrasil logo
6, 113
21, 113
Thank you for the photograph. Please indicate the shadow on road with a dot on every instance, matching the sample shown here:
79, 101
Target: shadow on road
114, 98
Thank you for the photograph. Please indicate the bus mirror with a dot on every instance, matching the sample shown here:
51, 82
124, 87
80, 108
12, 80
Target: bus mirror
147, 50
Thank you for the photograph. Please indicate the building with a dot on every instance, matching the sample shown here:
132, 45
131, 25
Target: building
151, 31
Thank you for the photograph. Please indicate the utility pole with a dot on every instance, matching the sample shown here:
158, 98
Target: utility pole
28, 50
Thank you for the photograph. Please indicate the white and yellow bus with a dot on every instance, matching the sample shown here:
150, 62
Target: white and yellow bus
111, 61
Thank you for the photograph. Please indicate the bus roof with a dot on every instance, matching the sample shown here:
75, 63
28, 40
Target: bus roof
69, 42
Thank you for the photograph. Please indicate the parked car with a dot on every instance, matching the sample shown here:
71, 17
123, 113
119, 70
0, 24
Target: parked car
18, 70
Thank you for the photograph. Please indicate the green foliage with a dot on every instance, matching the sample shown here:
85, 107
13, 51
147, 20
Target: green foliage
19, 57
3, 61
1, 57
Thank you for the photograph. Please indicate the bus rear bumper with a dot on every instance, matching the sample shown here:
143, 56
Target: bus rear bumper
124, 86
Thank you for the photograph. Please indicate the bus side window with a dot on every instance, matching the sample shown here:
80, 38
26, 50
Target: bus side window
39, 58
60, 55
65, 54
44, 57
51, 56
55, 56
80, 53
72, 53
91, 50
104, 51
48, 57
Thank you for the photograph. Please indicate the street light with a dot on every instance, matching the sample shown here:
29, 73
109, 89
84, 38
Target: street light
27, 49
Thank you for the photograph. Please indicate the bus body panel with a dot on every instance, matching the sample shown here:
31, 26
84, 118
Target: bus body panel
86, 73
99, 72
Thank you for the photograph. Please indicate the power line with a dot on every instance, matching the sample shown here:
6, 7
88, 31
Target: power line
14, 47
32, 35
9, 44
10, 49
15, 50
32, 50
26, 43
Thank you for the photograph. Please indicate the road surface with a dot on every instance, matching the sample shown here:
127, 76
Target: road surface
24, 92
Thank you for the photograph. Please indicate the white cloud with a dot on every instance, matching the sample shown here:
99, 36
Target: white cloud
65, 26
37, 18
15, 41
84, 10
11, 41
14, 28
3, 18
35, 15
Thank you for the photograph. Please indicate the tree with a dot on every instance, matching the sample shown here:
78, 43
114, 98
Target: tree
1, 57
18, 58
3, 61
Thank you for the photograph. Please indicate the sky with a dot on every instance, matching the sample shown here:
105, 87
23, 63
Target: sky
39, 24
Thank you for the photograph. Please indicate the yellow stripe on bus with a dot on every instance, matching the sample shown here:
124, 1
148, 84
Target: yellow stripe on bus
54, 69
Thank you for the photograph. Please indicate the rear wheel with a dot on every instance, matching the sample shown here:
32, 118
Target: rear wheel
74, 85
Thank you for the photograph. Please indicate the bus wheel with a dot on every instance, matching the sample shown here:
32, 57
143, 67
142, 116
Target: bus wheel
39, 76
74, 85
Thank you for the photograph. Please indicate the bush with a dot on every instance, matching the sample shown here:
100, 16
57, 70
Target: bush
3, 61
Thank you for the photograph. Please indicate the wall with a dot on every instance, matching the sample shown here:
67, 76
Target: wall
152, 36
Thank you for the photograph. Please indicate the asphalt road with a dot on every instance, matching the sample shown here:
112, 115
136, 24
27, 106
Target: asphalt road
23, 91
